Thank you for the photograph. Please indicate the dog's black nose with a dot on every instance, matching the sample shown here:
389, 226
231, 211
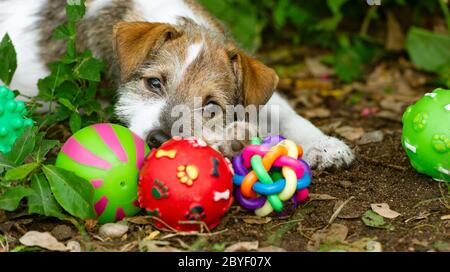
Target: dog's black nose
156, 138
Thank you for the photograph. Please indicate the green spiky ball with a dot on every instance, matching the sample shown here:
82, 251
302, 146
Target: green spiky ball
426, 134
12, 119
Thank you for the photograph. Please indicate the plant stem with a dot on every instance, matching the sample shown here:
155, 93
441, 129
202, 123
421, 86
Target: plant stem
367, 19
445, 10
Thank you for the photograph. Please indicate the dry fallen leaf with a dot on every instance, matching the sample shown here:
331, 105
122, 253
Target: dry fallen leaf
371, 137
256, 220
317, 113
329, 128
384, 210
445, 217
393, 105
74, 246
152, 235
139, 220
334, 234
42, 239
395, 39
350, 133
271, 249
317, 68
113, 230
389, 115
243, 246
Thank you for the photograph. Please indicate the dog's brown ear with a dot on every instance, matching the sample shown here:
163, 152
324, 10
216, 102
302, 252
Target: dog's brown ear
135, 41
256, 81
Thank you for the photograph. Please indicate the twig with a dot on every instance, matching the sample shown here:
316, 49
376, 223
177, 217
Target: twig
393, 166
426, 201
164, 223
193, 234
19, 228
338, 211
129, 247
200, 223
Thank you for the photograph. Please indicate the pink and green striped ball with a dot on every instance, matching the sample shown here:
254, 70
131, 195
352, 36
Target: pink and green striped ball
110, 157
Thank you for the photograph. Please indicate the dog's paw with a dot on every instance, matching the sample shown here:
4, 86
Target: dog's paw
328, 152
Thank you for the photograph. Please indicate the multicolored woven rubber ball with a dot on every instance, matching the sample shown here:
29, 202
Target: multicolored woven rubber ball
269, 172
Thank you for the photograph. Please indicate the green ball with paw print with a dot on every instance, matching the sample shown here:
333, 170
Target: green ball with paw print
426, 134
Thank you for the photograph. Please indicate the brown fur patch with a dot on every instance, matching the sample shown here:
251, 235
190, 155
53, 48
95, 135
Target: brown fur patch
256, 80
136, 41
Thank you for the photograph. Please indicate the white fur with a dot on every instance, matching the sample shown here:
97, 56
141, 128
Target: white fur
320, 150
94, 6
192, 53
19, 19
167, 11
143, 115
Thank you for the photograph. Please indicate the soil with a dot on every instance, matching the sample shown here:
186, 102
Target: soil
381, 173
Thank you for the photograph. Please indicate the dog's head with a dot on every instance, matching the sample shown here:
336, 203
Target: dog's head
163, 66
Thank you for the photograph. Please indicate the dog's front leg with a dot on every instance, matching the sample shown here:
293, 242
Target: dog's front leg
320, 150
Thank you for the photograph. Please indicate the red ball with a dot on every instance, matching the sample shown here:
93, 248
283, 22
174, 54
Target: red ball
186, 181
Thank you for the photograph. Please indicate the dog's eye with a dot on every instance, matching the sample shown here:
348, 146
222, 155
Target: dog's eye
153, 84
211, 109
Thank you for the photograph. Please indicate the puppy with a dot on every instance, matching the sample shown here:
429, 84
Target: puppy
161, 54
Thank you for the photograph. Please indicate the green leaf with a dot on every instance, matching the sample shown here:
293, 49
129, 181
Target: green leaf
43, 148
21, 172
73, 193
280, 13
62, 32
41, 200
23, 146
5, 163
90, 69
8, 60
374, 220
75, 122
348, 64
66, 103
10, 200
75, 10
336, 5
428, 50
68, 90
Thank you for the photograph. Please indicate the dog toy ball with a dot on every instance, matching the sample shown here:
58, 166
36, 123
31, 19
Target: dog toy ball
269, 172
426, 134
12, 120
110, 157
186, 184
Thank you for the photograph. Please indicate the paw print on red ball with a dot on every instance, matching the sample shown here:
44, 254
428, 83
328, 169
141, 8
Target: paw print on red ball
196, 213
186, 180
159, 190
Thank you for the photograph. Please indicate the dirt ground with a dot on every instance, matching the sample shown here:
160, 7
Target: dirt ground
332, 218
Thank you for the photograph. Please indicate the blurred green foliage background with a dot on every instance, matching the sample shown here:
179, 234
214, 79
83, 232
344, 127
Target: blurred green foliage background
355, 31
